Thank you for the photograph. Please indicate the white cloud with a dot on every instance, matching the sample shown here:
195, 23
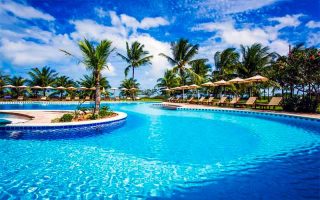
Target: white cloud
100, 12
287, 21
313, 39
313, 24
111, 71
24, 11
229, 36
209, 8
149, 22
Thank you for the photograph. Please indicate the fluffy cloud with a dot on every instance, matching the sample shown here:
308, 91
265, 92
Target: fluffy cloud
313, 24
120, 32
24, 11
287, 21
232, 36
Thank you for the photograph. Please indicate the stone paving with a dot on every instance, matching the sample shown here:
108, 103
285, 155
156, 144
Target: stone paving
196, 106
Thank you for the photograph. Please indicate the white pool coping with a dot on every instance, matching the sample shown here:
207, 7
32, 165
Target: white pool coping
120, 116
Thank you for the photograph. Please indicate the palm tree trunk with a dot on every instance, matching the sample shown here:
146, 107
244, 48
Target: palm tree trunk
132, 72
97, 95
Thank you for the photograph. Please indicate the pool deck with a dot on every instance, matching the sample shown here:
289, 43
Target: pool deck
196, 106
37, 116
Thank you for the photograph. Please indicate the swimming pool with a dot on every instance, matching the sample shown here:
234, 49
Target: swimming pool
168, 154
11, 118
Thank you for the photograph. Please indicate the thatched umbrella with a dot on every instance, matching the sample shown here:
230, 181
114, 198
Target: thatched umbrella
222, 83
83, 88
237, 81
60, 88
256, 79
9, 86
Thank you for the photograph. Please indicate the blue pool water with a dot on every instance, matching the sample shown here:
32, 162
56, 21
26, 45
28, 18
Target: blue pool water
157, 154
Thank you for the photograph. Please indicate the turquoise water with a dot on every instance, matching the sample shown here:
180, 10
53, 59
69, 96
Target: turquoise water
167, 154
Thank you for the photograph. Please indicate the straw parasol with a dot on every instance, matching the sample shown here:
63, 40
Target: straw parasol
37, 87
257, 78
71, 88
60, 88
167, 89
22, 86
221, 83
194, 86
48, 87
208, 84
8, 86
124, 89
103, 90
83, 88
237, 81
92, 88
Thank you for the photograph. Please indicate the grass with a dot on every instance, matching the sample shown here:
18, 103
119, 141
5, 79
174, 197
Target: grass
151, 100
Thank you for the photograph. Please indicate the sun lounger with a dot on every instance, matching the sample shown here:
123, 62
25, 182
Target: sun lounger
87, 98
208, 101
221, 101
76, 98
68, 98
20, 98
43, 99
176, 100
189, 100
199, 101
250, 102
275, 101
232, 102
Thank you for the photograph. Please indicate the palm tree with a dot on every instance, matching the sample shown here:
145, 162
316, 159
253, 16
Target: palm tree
128, 84
226, 63
95, 58
3, 81
136, 57
202, 69
63, 81
88, 81
254, 59
169, 80
17, 81
183, 54
42, 77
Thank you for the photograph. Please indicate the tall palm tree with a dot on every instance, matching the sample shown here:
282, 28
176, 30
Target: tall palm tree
95, 58
183, 54
136, 57
63, 81
226, 63
42, 77
254, 59
17, 81
129, 84
169, 80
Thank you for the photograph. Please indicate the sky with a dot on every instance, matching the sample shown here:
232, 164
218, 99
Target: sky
32, 32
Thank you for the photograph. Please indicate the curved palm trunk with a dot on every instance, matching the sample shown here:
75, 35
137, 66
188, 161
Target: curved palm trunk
133, 73
97, 95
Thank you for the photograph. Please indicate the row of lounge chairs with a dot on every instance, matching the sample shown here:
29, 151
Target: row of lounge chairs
22, 98
235, 102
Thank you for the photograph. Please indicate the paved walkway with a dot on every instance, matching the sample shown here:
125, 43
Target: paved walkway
186, 105
38, 116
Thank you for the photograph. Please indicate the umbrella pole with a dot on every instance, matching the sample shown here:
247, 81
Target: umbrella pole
182, 94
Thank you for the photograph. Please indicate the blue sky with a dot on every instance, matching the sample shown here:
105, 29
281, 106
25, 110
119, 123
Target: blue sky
32, 32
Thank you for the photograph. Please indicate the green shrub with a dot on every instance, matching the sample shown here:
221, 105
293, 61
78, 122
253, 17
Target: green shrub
105, 111
66, 118
299, 104
93, 116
